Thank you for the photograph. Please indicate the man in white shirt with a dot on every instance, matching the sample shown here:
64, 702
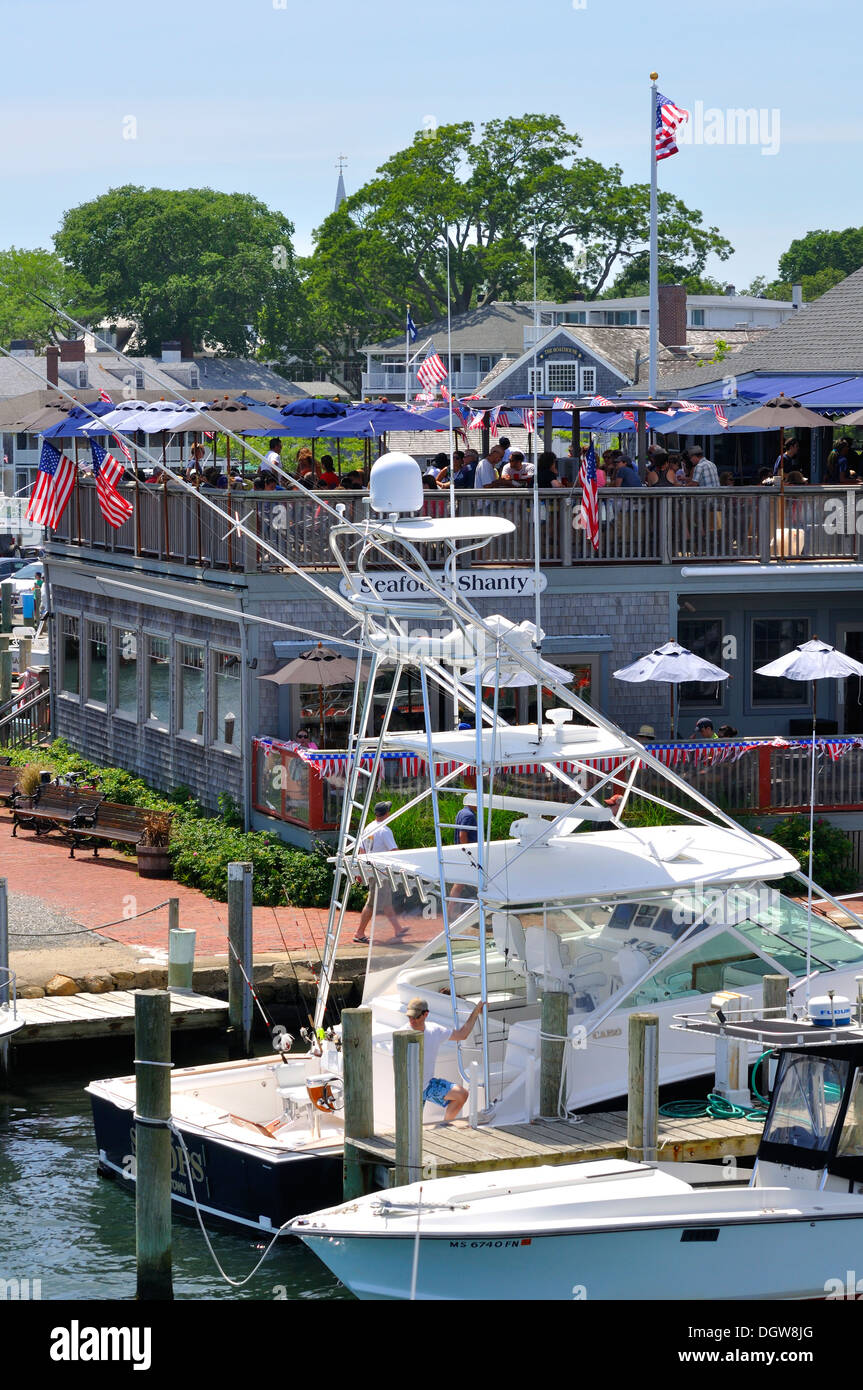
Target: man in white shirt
273, 459
447, 1094
515, 471
377, 838
486, 469
705, 473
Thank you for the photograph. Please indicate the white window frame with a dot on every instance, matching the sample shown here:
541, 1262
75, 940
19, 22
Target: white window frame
157, 725
588, 381
89, 699
193, 737
62, 614
539, 373
236, 746
568, 387
114, 683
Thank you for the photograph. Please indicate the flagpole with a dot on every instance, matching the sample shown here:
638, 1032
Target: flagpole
537, 646
451, 383
654, 267
407, 355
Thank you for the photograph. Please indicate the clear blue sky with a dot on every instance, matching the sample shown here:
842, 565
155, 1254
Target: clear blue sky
243, 95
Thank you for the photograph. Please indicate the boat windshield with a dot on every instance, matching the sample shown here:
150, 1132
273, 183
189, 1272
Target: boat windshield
807, 1101
778, 925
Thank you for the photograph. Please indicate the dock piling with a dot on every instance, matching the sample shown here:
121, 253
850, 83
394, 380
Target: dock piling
7, 589
5, 1052
555, 1008
181, 950
359, 1094
408, 1070
240, 886
153, 1144
642, 1116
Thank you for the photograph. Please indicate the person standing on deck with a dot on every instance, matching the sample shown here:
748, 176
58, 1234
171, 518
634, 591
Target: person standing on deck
377, 838
447, 1094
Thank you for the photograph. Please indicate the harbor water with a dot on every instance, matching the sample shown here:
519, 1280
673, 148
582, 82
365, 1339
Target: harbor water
71, 1233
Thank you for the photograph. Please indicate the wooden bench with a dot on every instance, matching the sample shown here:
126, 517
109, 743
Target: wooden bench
8, 783
111, 822
55, 808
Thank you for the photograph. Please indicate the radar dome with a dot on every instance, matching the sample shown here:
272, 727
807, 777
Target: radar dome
396, 484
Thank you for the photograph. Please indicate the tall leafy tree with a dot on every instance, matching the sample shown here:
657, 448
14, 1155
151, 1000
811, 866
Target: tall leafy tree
818, 251
25, 274
209, 269
486, 199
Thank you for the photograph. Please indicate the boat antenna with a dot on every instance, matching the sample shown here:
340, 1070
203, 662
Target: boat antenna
537, 643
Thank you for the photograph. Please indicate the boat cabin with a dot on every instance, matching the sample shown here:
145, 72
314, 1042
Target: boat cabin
813, 1134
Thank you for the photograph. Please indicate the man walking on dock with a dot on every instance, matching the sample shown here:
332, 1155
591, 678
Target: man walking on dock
377, 838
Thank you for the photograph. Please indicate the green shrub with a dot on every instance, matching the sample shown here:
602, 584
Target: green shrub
832, 868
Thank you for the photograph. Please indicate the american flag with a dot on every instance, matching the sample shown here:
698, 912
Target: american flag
498, 419
108, 471
54, 483
600, 400
560, 404
451, 400
692, 407
588, 516
431, 371
528, 420
475, 421
721, 416
668, 118
103, 396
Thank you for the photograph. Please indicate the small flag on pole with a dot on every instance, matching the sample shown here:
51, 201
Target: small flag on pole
721, 416
588, 516
54, 483
668, 118
410, 326
560, 404
431, 371
528, 419
108, 471
600, 400
103, 396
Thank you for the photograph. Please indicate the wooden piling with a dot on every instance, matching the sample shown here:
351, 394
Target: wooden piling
642, 1120
240, 884
5, 676
555, 1007
359, 1094
7, 589
153, 1144
775, 994
25, 651
5, 991
408, 1070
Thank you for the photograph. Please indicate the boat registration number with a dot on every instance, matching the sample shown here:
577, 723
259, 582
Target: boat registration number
489, 1244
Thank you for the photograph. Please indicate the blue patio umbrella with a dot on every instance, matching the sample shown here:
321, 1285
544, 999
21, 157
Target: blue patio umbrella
77, 417
297, 420
372, 420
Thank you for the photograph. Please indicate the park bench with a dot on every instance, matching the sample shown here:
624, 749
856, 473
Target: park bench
55, 808
8, 783
111, 822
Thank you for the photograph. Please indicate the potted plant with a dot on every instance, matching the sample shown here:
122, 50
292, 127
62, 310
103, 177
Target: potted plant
153, 859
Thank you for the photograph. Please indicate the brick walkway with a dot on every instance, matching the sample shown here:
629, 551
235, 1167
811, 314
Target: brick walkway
96, 891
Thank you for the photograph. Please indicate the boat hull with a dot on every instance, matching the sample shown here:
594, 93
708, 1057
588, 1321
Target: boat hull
232, 1183
777, 1259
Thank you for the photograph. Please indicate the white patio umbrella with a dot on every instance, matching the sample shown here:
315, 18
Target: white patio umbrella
673, 665
812, 661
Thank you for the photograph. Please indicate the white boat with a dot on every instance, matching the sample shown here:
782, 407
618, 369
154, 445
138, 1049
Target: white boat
573, 900
618, 1230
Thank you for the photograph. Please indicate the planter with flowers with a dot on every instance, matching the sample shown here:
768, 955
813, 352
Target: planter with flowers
153, 858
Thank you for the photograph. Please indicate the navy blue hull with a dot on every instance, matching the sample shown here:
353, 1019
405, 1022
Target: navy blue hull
244, 1188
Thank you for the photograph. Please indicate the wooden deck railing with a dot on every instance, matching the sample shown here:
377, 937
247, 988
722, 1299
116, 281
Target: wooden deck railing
644, 526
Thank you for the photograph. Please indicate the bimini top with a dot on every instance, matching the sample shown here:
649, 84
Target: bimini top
568, 868
516, 743
423, 529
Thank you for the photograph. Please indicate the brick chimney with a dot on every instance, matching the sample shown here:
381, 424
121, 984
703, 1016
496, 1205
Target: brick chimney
672, 315
72, 349
52, 354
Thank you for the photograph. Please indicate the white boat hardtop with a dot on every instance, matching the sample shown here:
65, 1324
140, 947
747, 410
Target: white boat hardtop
610, 862
517, 743
443, 528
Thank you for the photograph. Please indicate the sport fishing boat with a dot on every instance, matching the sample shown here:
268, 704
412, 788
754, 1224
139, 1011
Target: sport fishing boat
619, 1230
572, 898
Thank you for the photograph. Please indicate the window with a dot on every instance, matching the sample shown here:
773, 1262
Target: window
588, 381
720, 962
227, 698
454, 364
97, 663
771, 638
703, 637
563, 376
696, 318
574, 316
620, 316
485, 365
70, 656
158, 693
535, 381
191, 701
126, 672
21, 441
806, 1102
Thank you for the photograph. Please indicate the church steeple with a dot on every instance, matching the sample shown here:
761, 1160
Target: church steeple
341, 195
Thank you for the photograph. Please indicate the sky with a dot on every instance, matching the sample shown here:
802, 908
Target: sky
262, 96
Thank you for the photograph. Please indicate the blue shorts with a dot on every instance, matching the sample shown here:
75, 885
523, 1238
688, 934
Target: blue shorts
438, 1090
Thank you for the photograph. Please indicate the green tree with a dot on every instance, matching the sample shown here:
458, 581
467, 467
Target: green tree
484, 198
817, 251
208, 269
813, 286
24, 274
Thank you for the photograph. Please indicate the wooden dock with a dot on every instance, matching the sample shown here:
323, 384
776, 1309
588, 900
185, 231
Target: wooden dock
64, 1018
459, 1149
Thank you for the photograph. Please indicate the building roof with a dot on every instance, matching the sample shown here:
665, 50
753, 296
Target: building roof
826, 336
496, 327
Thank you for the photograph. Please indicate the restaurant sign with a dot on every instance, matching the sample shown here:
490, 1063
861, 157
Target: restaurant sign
478, 583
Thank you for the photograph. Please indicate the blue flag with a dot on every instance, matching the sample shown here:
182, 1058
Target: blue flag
410, 326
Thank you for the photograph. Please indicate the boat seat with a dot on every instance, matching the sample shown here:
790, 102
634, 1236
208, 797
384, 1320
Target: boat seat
509, 939
545, 959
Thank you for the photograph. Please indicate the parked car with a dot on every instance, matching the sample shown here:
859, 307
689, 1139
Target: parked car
9, 566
